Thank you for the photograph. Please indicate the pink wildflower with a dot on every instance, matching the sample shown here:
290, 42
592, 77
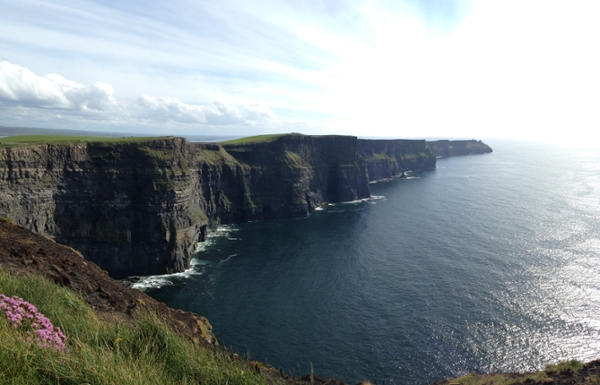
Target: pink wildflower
17, 310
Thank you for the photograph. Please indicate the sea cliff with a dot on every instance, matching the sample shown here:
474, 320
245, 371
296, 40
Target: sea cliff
139, 207
389, 158
446, 148
129, 207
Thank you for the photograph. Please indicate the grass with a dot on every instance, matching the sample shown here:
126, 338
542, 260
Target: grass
254, 139
509, 379
216, 156
12, 141
142, 351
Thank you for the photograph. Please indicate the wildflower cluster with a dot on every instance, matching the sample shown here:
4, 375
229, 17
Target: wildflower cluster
22, 313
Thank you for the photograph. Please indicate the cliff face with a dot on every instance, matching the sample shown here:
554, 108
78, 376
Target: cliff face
389, 158
293, 174
139, 208
446, 148
128, 207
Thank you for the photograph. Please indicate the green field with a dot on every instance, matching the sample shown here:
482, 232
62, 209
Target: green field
12, 141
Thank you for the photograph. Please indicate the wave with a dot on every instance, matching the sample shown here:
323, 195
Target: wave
228, 258
158, 281
197, 264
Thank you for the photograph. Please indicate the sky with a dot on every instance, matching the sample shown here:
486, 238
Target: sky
521, 69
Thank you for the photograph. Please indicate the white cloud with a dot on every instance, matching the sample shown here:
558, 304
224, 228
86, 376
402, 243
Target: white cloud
27, 95
169, 109
215, 113
20, 86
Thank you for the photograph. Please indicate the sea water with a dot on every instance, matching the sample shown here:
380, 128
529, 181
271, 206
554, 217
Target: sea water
488, 263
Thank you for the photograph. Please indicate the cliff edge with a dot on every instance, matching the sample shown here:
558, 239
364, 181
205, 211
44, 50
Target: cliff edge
446, 148
138, 206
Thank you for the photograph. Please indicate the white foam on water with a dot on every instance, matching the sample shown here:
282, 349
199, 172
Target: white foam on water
355, 201
228, 258
201, 246
158, 281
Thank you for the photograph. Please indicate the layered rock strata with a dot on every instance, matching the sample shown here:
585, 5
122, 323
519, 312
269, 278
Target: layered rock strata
140, 207
390, 158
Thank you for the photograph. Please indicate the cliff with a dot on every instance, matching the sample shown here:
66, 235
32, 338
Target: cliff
446, 148
291, 175
128, 207
139, 206
390, 158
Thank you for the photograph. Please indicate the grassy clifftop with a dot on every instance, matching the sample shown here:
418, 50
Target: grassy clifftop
24, 140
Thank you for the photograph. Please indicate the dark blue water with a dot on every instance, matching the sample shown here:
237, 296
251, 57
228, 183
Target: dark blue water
489, 263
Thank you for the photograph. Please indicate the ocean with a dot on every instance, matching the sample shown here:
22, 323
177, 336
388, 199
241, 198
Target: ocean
488, 263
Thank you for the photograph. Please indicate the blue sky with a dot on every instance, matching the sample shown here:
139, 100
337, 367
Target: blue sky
412, 68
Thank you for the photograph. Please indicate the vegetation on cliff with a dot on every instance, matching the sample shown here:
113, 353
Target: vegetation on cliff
23, 140
254, 139
565, 373
114, 334
139, 350
138, 206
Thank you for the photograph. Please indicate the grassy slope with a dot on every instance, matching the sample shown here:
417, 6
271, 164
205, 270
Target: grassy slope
144, 351
12, 141
255, 139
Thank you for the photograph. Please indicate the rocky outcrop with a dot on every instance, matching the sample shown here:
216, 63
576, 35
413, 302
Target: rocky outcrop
390, 158
446, 148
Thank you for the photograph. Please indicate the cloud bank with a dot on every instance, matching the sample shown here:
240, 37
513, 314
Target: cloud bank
22, 92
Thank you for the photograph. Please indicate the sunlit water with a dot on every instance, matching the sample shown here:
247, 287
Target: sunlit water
489, 263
